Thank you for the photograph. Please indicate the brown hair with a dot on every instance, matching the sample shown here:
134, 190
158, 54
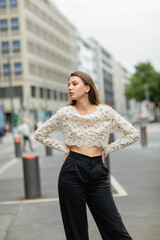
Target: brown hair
93, 95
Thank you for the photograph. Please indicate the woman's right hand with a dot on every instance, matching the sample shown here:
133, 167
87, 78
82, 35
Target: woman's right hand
66, 154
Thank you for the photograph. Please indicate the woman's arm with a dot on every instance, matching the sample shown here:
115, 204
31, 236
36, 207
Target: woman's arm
43, 132
119, 124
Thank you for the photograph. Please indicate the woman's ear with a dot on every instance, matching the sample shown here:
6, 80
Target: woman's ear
88, 88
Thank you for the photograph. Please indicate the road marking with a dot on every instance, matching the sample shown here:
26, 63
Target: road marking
121, 192
27, 201
8, 165
119, 189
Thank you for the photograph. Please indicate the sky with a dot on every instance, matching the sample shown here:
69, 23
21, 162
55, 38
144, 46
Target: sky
128, 29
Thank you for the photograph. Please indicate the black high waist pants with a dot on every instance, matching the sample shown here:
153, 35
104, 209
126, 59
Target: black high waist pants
82, 180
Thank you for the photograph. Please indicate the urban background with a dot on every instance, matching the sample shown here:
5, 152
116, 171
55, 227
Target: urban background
39, 48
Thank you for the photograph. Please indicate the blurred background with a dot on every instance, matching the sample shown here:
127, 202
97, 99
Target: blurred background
42, 42
117, 43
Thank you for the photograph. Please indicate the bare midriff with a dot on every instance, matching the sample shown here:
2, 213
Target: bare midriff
89, 151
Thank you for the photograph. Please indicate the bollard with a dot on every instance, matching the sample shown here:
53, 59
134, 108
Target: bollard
143, 136
17, 145
31, 177
48, 151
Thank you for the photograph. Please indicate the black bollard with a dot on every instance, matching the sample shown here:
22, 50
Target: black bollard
17, 145
31, 177
143, 136
48, 151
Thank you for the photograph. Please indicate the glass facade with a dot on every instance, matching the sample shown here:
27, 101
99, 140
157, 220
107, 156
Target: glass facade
16, 46
18, 68
13, 3
5, 47
2, 3
6, 69
15, 23
33, 91
3, 24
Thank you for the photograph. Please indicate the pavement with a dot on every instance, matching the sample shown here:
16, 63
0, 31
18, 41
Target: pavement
134, 169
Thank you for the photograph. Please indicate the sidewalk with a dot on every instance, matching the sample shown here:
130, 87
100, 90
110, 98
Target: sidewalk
136, 170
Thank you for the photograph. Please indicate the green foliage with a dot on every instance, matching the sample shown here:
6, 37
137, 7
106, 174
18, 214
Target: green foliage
145, 74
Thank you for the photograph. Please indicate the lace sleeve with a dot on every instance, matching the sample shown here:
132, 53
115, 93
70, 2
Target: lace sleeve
119, 124
43, 132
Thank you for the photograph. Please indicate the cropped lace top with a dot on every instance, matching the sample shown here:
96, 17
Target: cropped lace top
87, 130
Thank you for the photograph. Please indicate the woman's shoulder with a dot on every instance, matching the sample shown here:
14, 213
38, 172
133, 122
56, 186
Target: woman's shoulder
105, 107
64, 109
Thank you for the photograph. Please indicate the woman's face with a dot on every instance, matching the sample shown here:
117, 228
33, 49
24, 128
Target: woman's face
76, 88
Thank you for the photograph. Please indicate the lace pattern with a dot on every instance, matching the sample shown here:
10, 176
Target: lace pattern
87, 130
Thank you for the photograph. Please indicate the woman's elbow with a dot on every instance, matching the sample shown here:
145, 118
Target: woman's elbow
135, 136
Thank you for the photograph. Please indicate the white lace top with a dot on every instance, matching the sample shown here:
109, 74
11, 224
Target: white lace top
87, 130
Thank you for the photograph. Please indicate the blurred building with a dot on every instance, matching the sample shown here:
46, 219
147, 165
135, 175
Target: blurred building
121, 76
87, 58
110, 77
38, 51
96, 61
121, 80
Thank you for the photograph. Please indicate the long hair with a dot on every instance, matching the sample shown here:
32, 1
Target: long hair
93, 95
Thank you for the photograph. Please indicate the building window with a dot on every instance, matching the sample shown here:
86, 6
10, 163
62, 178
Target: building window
18, 68
33, 91
3, 25
48, 93
15, 23
41, 92
55, 95
67, 97
6, 69
16, 46
61, 96
13, 3
5, 47
2, 3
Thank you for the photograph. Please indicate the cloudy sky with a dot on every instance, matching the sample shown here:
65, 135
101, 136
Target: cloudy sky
128, 29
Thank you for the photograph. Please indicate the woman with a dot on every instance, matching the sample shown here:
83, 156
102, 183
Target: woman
86, 123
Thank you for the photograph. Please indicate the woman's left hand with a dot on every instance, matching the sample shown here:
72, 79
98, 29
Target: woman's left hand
103, 156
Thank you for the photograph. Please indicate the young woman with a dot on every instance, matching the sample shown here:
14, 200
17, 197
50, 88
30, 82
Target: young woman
86, 123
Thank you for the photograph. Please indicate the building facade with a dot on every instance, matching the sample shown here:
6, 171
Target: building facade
38, 51
104, 72
87, 58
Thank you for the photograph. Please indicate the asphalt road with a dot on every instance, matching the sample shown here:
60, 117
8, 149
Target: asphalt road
136, 170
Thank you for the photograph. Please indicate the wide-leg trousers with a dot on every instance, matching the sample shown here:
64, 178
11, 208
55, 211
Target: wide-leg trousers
84, 180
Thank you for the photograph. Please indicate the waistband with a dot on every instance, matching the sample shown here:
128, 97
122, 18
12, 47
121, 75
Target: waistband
80, 155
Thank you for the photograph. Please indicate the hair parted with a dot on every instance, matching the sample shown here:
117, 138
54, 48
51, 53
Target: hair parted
93, 95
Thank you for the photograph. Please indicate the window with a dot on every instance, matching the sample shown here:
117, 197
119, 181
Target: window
3, 25
33, 91
18, 68
5, 47
41, 92
55, 94
13, 3
48, 93
2, 3
61, 96
16, 46
15, 23
6, 69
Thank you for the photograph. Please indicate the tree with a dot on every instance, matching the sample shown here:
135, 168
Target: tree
145, 75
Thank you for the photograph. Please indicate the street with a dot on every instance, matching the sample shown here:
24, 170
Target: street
136, 169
